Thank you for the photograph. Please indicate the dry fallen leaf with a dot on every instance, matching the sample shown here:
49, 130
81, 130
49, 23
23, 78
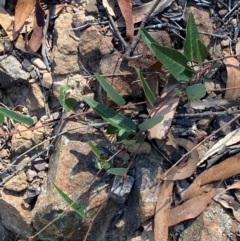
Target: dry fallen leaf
161, 218
140, 12
109, 5
37, 35
7, 23
228, 201
126, 10
191, 208
166, 106
182, 171
233, 78
223, 170
230, 139
235, 185
22, 11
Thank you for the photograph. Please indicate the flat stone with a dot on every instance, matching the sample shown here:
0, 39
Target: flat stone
15, 216
47, 80
11, 72
71, 168
65, 50
17, 183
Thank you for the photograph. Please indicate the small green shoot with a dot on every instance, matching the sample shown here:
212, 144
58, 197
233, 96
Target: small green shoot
67, 103
148, 92
75, 206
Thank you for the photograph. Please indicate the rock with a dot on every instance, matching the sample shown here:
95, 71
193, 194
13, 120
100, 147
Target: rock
225, 42
222, 12
106, 46
27, 65
89, 53
21, 141
4, 153
71, 168
11, 72
31, 174
12, 205
38, 63
6, 46
203, 22
145, 148
211, 225
91, 8
221, 121
65, 48
47, 80
17, 183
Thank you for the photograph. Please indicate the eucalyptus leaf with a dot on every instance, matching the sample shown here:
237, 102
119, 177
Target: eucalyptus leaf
15, 116
148, 124
196, 91
178, 92
112, 129
112, 93
117, 171
174, 61
69, 104
1, 119
202, 52
190, 44
111, 116
148, 92
75, 206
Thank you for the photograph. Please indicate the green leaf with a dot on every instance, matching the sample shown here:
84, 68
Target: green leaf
112, 93
202, 52
174, 61
147, 38
94, 150
15, 116
111, 116
75, 206
112, 129
67, 103
1, 119
148, 124
117, 171
127, 142
196, 92
178, 92
190, 44
148, 92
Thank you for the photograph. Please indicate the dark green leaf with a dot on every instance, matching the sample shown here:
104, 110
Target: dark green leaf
202, 52
127, 142
147, 38
148, 92
75, 206
117, 171
112, 129
1, 119
178, 92
148, 124
67, 103
174, 61
196, 92
15, 116
112, 93
111, 116
190, 44
94, 150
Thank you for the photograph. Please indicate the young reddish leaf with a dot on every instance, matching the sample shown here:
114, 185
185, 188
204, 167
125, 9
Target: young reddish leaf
126, 10
22, 11
37, 35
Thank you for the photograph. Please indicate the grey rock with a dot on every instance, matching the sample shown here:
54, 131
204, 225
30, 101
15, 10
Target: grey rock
11, 72
221, 121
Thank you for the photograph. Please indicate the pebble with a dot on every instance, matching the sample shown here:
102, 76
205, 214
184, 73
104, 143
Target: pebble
47, 80
18, 183
222, 12
27, 65
225, 42
38, 63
